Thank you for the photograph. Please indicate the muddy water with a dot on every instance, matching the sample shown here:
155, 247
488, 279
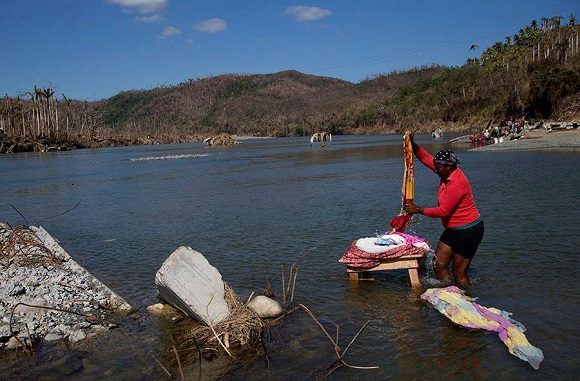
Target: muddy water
258, 205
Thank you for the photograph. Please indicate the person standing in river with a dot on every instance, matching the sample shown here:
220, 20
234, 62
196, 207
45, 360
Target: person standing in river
459, 216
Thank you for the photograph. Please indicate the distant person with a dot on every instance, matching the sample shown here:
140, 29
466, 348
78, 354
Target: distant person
459, 216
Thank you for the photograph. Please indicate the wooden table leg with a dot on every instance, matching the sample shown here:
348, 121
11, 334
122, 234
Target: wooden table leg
353, 276
414, 276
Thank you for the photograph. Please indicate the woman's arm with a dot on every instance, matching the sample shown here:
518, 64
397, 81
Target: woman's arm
423, 156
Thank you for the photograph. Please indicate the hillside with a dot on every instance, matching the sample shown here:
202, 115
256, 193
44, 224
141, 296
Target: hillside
534, 74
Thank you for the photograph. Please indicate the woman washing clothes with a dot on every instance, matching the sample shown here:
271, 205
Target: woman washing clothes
459, 216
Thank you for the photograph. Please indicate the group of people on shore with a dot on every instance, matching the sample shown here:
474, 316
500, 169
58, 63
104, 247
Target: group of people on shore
510, 129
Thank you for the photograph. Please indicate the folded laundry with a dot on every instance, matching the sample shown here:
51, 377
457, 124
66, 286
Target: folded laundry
366, 253
462, 309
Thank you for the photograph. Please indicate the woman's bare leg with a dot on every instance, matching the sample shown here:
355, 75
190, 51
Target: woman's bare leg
443, 256
460, 267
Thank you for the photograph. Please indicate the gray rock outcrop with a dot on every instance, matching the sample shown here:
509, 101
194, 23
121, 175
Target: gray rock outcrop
188, 282
45, 294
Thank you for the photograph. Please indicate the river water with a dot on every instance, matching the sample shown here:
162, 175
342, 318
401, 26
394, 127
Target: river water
259, 205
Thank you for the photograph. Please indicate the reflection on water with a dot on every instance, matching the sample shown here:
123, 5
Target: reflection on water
258, 205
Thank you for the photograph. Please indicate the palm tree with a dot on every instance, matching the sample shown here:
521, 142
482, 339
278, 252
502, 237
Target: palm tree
473, 48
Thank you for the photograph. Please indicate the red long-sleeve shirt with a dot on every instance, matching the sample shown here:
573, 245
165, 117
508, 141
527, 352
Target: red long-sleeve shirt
456, 204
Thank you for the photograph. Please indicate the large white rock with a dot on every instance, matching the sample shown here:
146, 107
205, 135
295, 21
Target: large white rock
188, 282
265, 307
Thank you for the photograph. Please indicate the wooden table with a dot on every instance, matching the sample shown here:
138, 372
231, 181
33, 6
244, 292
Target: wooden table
410, 262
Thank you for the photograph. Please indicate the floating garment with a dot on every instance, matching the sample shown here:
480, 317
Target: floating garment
402, 221
461, 309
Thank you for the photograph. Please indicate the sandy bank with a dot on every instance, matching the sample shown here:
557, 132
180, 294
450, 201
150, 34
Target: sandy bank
538, 139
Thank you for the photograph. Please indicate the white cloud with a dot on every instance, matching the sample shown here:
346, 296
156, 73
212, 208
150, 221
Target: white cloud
213, 25
142, 6
170, 31
304, 13
149, 19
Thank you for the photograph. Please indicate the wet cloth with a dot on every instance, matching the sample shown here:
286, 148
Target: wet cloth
462, 309
402, 221
366, 253
456, 204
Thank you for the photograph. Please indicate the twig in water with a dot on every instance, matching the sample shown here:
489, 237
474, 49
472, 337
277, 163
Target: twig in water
265, 350
289, 290
178, 363
334, 345
293, 285
355, 337
283, 286
213, 330
198, 354
60, 214
21, 215
339, 355
161, 365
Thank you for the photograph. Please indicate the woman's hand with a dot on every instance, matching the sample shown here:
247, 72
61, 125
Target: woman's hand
411, 208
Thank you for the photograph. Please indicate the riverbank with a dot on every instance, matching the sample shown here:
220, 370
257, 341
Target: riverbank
538, 139
46, 295
44, 145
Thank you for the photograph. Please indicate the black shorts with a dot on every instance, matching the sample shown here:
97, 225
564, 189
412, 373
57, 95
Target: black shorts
463, 241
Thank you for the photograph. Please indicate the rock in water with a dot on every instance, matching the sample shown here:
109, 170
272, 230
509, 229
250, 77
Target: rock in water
162, 309
265, 307
188, 282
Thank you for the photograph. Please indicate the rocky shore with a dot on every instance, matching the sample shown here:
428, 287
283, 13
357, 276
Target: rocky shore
46, 295
538, 139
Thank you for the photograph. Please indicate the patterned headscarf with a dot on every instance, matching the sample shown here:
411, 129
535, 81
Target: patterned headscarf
446, 157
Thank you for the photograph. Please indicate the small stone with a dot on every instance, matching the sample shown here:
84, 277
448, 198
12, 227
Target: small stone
13, 343
77, 336
265, 307
112, 326
17, 290
109, 373
163, 309
52, 336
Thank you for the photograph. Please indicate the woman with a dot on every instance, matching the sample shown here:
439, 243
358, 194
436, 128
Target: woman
459, 216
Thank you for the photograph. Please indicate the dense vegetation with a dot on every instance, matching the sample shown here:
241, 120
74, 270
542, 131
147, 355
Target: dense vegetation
533, 74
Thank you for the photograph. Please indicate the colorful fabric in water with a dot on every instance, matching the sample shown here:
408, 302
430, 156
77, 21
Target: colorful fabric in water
402, 221
461, 309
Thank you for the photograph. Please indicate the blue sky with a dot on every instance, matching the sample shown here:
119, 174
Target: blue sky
92, 49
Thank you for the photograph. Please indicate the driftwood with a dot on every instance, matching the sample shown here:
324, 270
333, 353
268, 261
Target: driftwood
460, 138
